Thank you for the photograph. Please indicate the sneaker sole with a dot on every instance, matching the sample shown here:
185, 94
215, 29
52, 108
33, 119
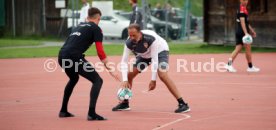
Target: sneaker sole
231, 71
185, 111
253, 71
228, 70
127, 109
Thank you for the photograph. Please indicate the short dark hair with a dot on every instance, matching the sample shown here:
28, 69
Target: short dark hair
135, 26
92, 12
134, 1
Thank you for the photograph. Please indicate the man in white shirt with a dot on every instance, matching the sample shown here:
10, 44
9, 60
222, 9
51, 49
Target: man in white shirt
84, 11
149, 48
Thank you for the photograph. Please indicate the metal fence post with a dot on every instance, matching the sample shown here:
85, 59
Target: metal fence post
13, 19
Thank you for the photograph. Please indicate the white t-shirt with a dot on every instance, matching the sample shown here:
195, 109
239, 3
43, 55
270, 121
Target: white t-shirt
149, 47
84, 12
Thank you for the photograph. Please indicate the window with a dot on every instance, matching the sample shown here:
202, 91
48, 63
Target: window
106, 18
258, 6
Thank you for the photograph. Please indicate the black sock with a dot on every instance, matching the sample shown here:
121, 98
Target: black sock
250, 65
91, 111
230, 62
181, 101
125, 101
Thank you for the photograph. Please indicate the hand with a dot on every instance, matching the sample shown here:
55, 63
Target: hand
125, 84
115, 76
152, 85
253, 34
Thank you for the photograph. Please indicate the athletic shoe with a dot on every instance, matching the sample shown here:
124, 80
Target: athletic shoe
230, 68
123, 106
253, 69
65, 114
96, 117
182, 108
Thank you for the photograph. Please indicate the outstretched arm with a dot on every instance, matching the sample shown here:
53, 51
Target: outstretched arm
103, 58
252, 31
154, 65
124, 67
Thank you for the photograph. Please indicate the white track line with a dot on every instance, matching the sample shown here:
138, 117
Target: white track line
185, 116
244, 85
233, 114
230, 83
147, 92
173, 122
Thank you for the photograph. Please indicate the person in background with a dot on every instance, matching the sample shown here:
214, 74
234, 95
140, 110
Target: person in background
243, 28
159, 13
84, 11
136, 16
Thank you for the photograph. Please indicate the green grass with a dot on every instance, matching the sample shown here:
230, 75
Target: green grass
31, 40
17, 42
52, 51
33, 37
28, 52
117, 49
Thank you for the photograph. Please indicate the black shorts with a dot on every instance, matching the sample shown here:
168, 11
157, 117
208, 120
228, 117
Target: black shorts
76, 65
239, 39
163, 61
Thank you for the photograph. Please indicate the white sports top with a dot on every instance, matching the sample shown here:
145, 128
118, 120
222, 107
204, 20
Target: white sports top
148, 47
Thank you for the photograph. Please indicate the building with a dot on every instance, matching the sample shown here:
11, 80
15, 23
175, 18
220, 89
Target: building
219, 21
32, 17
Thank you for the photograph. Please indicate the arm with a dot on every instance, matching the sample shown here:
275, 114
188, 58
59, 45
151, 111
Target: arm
154, 65
124, 67
154, 60
243, 26
135, 13
100, 51
252, 31
103, 58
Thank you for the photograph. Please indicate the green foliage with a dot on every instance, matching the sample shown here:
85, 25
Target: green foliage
122, 5
196, 5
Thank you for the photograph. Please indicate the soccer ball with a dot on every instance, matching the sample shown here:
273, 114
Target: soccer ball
247, 39
124, 93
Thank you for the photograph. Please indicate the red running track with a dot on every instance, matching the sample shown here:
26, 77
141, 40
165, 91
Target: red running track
30, 97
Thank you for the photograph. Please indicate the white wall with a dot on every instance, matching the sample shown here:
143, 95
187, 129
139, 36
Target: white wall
106, 7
